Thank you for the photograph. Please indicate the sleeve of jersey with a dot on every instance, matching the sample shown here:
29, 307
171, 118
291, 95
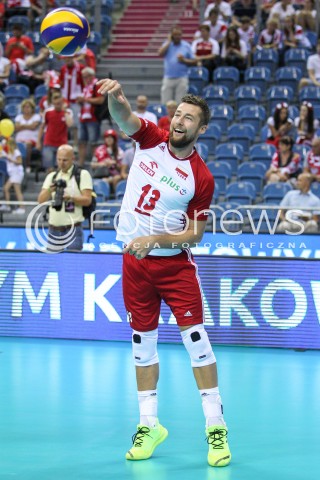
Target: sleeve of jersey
199, 205
149, 135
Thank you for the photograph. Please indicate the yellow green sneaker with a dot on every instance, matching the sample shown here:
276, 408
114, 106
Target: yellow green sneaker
145, 440
219, 454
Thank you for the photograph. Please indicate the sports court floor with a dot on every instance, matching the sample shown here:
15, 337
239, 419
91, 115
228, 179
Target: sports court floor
68, 410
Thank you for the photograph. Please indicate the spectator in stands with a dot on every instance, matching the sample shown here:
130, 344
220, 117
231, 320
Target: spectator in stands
279, 124
107, 159
12, 154
247, 34
2, 13
164, 122
298, 220
141, 109
281, 10
46, 100
244, 9
271, 36
307, 16
127, 160
27, 125
89, 132
313, 67
234, 51
57, 119
17, 7
312, 160
206, 51
306, 124
293, 35
175, 82
87, 57
265, 7
223, 7
71, 86
4, 70
218, 28
19, 45
3, 113
285, 163
31, 70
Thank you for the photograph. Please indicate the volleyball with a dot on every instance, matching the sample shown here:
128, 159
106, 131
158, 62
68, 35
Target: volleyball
65, 31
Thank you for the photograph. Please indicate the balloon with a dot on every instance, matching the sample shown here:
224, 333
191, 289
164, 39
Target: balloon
6, 127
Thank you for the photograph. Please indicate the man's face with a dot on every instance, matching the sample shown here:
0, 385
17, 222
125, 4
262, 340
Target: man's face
87, 78
57, 102
316, 147
142, 103
185, 125
176, 35
17, 32
64, 159
303, 182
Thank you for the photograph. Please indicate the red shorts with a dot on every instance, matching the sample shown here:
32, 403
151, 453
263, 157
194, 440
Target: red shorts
173, 279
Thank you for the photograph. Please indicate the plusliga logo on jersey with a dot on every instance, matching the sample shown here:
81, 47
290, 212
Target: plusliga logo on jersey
171, 183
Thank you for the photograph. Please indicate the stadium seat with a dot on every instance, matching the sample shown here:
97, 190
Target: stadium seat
258, 77
315, 188
19, 20
193, 89
39, 92
227, 76
262, 226
302, 150
288, 77
4, 37
241, 193
277, 95
241, 133
296, 57
94, 42
198, 76
232, 153
247, 95
310, 94
222, 174
266, 58
253, 172
230, 217
102, 188
273, 193
293, 112
158, 109
3, 166
16, 93
312, 37
203, 150
12, 110
106, 7
262, 153
216, 194
120, 189
79, 4
216, 94
105, 26
255, 115
221, 115
211, 137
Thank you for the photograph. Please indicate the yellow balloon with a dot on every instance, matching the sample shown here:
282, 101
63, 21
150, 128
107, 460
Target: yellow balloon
6, 127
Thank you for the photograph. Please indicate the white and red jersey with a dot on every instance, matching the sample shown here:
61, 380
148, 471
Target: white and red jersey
266, 38
312, 162
201, 47
71, 81
162, 189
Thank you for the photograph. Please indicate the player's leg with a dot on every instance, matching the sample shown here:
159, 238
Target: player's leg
143, 308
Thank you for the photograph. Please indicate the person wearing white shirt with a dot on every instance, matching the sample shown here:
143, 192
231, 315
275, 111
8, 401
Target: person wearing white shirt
224, 9
281, 10
234, 51
206, 51
141, 110
313, 67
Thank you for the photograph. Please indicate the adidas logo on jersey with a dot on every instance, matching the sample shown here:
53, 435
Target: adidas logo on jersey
188, 314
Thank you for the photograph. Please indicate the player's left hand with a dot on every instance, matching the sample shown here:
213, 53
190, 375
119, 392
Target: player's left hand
139, 247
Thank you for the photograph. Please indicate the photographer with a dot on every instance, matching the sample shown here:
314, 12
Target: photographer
65, 213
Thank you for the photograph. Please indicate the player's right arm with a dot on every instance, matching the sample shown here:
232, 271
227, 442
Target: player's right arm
119, 106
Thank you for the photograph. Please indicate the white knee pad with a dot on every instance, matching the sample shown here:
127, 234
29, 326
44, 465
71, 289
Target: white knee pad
144, 348
197, 343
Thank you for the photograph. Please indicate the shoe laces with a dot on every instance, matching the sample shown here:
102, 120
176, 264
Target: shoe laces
216, 438
138, 437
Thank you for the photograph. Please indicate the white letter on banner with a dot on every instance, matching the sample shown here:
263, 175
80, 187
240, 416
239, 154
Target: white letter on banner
3, 276
315, 286
301, 304
49, 287
233, 300
93, 296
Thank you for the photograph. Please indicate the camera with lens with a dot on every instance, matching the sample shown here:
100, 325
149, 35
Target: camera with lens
58, 199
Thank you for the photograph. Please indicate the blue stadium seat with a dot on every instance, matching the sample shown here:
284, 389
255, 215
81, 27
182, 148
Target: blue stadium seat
289, 77
105, 26
255, 115
293, 112
241, 133
20, 20
315, 188
277, 95
227, 76
216, 194
273, 193
158, 109
296, 57
79, 4
316, 110
302, 150
312, 37
221, 115
106, 7
222, 174
247, 95
3, 166
257, 213
102, 188
39, 92
264, 133
241, 193
198, 76
94, 42
262, 153
310, 94
4, 37
203, 150
266, 58
216, 94
120, 189
211, 137
12, 110
193, 89
16, 92
232, 153
253, 172
258, 77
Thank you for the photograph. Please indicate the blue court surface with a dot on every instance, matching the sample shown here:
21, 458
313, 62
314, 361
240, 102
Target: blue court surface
68, 410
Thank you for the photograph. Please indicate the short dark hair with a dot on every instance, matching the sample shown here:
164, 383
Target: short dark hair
201, 103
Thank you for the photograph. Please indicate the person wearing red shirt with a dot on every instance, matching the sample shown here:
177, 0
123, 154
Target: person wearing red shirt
164, 122
19, 45
57, 120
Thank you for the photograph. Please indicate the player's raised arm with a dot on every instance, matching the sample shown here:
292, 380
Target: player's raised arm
119, 106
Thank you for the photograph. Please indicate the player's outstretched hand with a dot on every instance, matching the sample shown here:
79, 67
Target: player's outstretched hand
111, 87
139, 247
